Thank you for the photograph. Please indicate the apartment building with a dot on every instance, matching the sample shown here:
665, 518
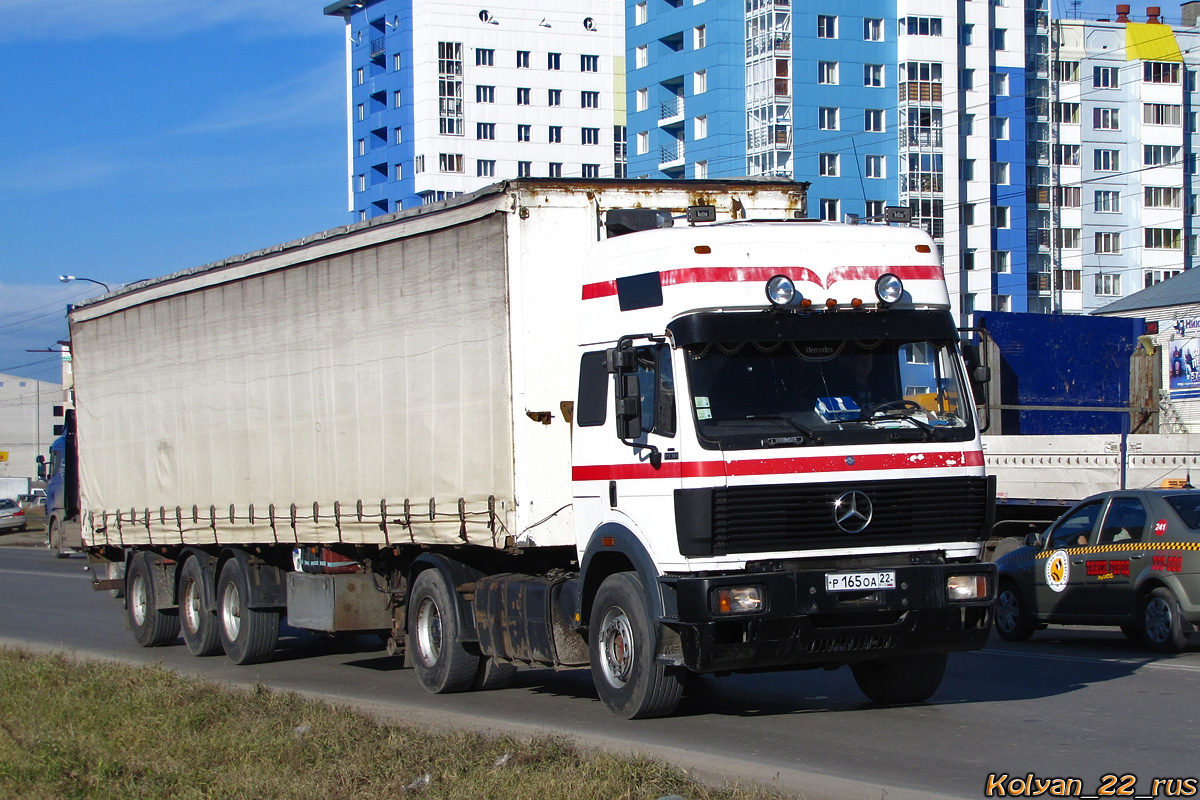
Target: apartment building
445, 97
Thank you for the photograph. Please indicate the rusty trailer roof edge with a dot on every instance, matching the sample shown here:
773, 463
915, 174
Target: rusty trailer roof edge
514, 186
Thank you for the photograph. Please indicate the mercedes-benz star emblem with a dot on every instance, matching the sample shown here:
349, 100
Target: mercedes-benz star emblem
852, 511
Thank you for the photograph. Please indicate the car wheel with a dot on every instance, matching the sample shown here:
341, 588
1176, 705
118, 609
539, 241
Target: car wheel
629, 679
201, 631
1162, 622
1013, 620
248, 635
151, 627
441, 662
904, 679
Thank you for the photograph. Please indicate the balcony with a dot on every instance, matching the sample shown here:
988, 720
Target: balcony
670, 157
670, 113
921, 92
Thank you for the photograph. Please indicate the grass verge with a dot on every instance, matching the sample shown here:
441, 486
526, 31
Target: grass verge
86, 729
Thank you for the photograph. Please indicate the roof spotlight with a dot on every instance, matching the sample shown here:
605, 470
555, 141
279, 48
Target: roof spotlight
780, 290
889, 288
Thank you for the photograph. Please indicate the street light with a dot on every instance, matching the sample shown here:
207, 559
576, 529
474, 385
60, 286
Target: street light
69, 278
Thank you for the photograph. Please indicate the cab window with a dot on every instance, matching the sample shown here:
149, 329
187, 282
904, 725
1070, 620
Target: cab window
656, 384
1124, 522
1076, 529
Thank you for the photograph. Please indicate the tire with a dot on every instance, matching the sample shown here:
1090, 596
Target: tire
248, 636
201, 631
54, 540
441, 662
1162, 622
900, 680
151, 627
631, 682
1013, 620
493, 674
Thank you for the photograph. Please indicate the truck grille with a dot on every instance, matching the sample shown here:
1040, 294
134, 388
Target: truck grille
764, 519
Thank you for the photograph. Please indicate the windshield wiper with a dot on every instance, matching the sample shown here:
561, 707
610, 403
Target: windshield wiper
806, 434
900, 411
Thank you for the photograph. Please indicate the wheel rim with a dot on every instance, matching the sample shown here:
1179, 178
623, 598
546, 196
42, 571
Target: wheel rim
616, 647
191, 605
429, 632
231, 612
139, 600
1158, 620
1007, 611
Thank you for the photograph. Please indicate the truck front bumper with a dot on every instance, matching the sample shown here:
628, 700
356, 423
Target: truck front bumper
801, 624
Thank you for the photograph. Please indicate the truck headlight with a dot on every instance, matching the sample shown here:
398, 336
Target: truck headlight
966, 587
889, 288
780, 290
737, 600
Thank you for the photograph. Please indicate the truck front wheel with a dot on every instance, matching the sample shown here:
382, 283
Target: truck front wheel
54, 540
904, 679
201, 633
151, 627
630, 681
441, 661
248, 635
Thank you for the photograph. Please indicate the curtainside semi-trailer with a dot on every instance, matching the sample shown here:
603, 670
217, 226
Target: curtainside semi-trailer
654, 428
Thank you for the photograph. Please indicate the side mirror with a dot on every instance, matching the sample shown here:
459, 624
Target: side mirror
981, 374
1033, 540
628, 407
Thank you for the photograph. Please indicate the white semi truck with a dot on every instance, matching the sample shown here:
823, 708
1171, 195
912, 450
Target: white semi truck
654, 428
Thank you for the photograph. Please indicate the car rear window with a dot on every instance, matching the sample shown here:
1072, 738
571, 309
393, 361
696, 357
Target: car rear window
1187, 506
7, 504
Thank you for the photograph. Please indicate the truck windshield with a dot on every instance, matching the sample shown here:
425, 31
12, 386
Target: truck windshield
748, 395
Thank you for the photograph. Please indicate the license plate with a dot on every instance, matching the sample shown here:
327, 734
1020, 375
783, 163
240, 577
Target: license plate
859, 581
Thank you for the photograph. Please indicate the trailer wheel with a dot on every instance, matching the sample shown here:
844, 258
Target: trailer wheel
904, 679
248, 635
442, 664
1162, 622
151, 627
1013, 621
493, 674
201, 632
630, 681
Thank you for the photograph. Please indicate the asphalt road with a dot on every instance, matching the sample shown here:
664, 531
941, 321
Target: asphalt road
1081, 703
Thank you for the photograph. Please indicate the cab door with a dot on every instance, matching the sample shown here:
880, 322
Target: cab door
1060, 577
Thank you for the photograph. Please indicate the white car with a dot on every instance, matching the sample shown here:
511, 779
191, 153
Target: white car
12, 516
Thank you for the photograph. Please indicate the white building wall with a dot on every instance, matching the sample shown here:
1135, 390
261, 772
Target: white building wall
26, 423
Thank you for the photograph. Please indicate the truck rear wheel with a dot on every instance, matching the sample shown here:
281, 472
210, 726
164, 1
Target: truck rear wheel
248, 635
201, 633
151, 627
629, 679
904, 679
441, 662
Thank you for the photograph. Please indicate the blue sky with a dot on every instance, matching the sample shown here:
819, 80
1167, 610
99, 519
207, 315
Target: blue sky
141, 137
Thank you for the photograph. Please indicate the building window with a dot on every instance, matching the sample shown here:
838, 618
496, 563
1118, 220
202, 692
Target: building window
827, 72
591, 170
362, 112
589, 99
589, 63
924, 26
398, 136
1068, 238
643, 143
523, 96
522, 59
966, 169
1104, 78
554, 62
362, 147
999, 216
1108, 242
524, 169
1065, 113
554, 97
998, 37
642, 100
966, 124
523, 133
873, 120
830, 209
398, 174
1160, 155
397, 65
640, 56
1000, 84
1000, 261
450, 89
876, 167
698, 37
1065, 155
1067, 71
700, 82
999, 127
828, 165
966, 214
485, 130
397, 99
1106, 160
872, 30
1000, 173
639, 14
1162, 114
827, 27
1163, 197
1068, 196
1108, 285
485, 94
966, 33
1160, 72
485, 57
700, 127
1164, 239
1001, 302
1107, 201
555, 170
485, 168
555, 134
1106, 119
589, 136
1153, 276
419, 164
872, 74
827, 119
450, 162
361, 182
1069, 280
360, 76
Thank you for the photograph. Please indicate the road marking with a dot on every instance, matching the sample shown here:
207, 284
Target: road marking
43, 574
1147, 662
